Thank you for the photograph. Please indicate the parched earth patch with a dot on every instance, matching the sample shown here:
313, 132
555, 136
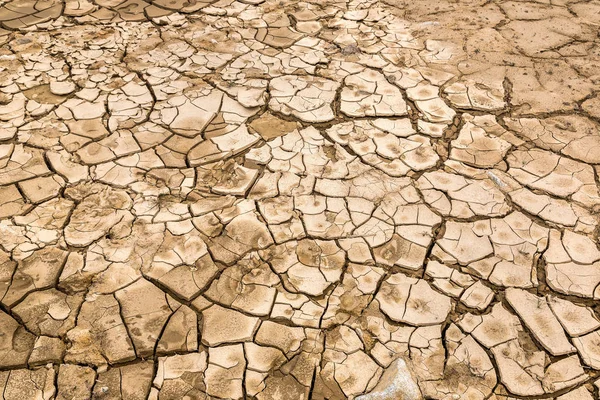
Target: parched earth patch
221, 199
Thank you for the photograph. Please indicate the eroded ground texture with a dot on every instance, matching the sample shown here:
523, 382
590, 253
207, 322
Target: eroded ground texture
299, 199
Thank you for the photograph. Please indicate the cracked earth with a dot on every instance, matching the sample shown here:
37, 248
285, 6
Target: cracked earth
220, 199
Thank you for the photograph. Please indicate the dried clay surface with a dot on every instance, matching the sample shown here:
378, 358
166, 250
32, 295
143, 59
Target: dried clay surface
294, 200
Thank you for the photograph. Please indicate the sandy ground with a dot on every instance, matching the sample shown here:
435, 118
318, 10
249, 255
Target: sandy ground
293, 200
